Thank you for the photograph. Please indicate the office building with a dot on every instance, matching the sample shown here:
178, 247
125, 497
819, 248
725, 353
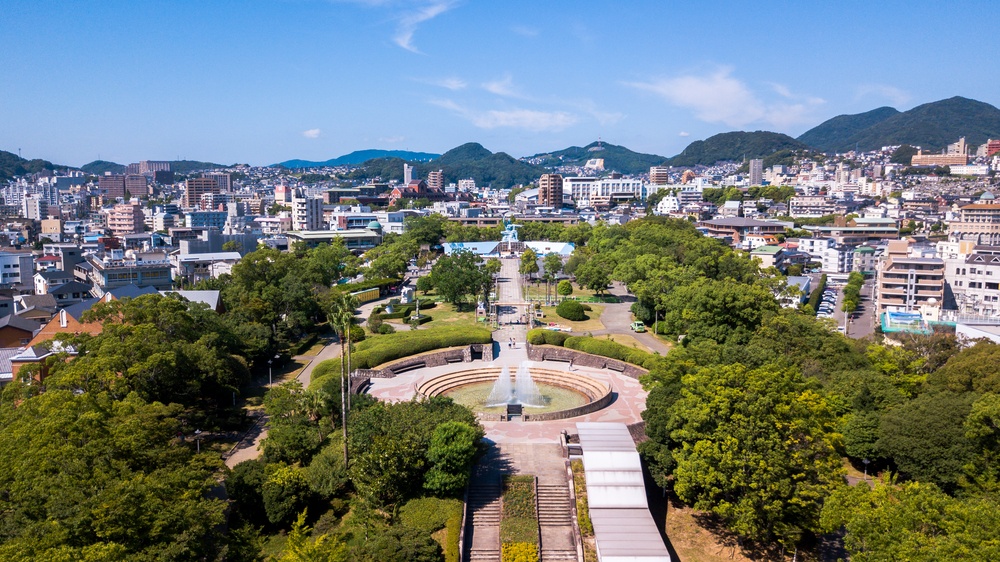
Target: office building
135, 186
222, 179
659, 175
112, 185
921, 159
550, 190
194, 188
756, 172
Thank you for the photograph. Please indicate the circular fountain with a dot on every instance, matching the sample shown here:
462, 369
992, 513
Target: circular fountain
533, 394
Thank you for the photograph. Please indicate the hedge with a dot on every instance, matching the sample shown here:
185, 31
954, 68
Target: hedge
541, 336
380, 349
608, 348
518, 521
604, 348
429, 514
817, 294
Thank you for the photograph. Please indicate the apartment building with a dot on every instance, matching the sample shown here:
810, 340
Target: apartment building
978, 222
550, 190
908, 283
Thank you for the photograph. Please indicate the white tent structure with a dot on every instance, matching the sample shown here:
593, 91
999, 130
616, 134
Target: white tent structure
624, 529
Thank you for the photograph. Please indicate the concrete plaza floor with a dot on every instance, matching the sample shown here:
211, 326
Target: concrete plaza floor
627, 407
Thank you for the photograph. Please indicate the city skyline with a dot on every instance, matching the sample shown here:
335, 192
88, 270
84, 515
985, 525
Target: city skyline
274, 80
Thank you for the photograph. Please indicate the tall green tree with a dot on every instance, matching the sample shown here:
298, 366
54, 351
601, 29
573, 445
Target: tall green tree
529, 263
757, 448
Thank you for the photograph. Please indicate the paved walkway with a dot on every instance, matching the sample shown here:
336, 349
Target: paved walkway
249, 446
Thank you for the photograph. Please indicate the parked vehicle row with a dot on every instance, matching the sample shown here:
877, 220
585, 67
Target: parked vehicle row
828, 305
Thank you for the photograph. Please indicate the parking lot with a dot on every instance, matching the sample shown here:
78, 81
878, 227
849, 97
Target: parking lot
861, 323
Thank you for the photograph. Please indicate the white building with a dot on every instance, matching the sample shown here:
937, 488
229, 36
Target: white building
307, 212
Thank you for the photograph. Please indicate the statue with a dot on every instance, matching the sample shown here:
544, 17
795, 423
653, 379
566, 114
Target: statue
510, 231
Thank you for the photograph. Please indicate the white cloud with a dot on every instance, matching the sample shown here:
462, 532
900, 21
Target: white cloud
503, 87
895, 95
311, 133
409, 22
452, 83
516, 118
525, 31
719, 97
684, 134
716, 98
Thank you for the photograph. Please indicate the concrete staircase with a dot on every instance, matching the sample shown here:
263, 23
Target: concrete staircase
483, 522
555, 521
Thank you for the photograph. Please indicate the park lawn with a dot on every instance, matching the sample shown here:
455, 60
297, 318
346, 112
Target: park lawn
591, 324
446, 313
626, 340
316, 348
537, 292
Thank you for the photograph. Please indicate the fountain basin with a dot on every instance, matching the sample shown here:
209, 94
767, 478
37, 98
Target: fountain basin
570, 394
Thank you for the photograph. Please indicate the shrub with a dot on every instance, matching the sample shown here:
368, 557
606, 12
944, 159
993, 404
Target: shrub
386, 329
587, 307
519, 552
429, 514
357, 333
571, 310
540, 336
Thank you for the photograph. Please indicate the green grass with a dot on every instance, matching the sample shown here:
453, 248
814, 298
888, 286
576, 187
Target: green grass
519, 522
592, 323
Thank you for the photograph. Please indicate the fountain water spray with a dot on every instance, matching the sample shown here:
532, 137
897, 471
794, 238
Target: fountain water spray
522, 391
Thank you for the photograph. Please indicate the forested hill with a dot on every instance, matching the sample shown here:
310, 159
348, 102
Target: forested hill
834, 135
360, 157
736, 145
617, 158
931, 126
13, 165
471, 160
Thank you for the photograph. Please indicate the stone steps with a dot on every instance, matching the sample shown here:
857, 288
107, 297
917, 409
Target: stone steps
554, 506
558, 555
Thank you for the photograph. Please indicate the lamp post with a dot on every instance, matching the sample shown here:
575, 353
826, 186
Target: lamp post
866, 461
197, 439
269, 361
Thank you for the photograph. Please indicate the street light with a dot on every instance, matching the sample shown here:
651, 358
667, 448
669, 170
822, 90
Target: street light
269, 361
197, 439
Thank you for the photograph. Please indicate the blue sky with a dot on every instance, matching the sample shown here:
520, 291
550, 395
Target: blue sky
261, 81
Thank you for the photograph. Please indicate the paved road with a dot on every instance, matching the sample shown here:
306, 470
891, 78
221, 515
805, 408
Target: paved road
617, 319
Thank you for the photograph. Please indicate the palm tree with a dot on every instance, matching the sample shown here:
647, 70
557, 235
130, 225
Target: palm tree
317, 404
340, 312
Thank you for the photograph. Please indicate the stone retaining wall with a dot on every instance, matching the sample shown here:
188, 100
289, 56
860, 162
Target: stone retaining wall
556, 353
594, 406
433, 359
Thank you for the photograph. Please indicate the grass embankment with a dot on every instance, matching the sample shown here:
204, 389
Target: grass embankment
518, 520
583, 512
376, 350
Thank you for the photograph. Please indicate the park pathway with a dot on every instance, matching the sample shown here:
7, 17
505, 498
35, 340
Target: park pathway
248, 447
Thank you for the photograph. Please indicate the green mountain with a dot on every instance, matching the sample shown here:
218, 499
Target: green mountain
617, 158
932, 126
360, 157
99, 167
470, 160
735, 146
13, 165
834, 135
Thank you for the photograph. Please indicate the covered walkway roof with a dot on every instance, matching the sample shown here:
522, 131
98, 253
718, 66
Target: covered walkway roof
623, 527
